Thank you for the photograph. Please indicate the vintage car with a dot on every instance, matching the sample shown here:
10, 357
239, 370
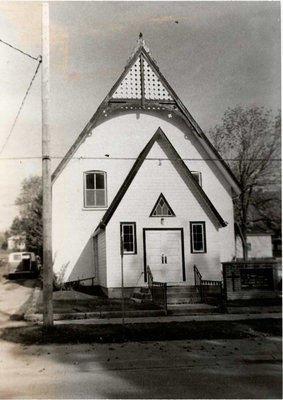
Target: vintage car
23, 263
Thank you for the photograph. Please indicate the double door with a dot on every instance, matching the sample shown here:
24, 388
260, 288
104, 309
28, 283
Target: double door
164, 254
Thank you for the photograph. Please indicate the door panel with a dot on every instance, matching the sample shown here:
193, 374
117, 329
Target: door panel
164, 255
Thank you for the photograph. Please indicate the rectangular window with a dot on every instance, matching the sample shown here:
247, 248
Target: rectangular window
128, 238
197, 177
95, 189
198, 239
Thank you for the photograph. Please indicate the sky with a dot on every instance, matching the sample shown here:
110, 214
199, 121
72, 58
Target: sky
214, 55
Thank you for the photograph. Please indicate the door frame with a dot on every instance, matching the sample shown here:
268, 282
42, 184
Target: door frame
182, 248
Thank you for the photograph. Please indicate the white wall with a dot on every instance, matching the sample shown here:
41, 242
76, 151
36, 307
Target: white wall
125, 137
137, 205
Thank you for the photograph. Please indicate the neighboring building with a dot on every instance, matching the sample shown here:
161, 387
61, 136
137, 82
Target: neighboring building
16, 243
142, 177
259, 242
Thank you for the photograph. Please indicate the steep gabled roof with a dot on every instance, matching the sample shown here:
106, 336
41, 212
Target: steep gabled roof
158, 136
142, 86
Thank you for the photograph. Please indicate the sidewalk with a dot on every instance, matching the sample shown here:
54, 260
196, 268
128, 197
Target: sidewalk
167, 319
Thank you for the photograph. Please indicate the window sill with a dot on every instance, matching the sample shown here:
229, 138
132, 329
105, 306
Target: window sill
94, 208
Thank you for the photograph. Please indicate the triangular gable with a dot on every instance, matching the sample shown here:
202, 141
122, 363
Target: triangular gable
142, 87
141, 83
158, 136
162, 208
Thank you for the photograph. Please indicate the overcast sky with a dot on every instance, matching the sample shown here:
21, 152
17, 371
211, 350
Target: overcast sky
214, 54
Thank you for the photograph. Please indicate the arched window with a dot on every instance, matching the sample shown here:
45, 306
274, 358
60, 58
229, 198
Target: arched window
95, 195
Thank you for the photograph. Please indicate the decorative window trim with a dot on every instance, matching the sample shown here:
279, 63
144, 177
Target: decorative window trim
166, 202
202, 224
134, 251
197, 176
94, 207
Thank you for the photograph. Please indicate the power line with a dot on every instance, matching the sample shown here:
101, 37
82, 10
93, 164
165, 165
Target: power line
19, 50
22, 104
137, 158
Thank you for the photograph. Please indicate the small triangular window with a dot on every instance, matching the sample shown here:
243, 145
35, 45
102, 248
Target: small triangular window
162, 208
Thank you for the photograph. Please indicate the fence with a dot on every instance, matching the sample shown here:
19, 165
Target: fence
158, 290
209, 290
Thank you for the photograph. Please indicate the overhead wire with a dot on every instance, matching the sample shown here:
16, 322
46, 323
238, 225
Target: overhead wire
19, 50
137, 158
22, 104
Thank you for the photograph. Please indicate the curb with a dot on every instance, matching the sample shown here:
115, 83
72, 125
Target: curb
35, 317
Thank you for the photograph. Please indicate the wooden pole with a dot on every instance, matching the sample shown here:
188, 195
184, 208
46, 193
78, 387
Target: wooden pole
122, 278
46, 176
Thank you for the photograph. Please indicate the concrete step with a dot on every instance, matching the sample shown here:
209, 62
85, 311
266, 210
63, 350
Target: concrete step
182, 289
140, 295
184, 300
144, 290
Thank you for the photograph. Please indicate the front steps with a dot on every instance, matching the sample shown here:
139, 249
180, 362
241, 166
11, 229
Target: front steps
175, 295
181, 300
141, 295
183, 295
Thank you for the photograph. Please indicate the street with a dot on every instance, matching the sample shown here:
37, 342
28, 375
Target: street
239, 368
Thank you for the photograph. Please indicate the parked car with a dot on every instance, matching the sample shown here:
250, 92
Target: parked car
26, 263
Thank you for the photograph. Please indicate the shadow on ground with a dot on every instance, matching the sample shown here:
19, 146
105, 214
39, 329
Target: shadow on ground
193, 330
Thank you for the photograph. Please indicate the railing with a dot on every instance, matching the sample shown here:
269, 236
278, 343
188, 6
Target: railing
158, 290
204, 285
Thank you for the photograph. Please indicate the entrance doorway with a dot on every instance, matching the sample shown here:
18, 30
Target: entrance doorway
164, 254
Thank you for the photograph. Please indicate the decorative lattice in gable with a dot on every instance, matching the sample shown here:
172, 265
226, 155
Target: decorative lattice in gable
153, 88
130, 87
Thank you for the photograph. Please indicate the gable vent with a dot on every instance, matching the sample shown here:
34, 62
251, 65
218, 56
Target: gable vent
162, 208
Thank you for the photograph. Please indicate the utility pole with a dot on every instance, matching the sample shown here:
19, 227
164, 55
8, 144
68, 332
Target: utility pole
122, 278
46, 176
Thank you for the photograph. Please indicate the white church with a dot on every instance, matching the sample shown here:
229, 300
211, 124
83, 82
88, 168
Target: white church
143, 180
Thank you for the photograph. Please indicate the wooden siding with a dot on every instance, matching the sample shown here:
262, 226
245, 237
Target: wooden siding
123, 138
102, 272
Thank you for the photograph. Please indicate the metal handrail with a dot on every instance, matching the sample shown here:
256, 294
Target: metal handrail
202, 283
155, 288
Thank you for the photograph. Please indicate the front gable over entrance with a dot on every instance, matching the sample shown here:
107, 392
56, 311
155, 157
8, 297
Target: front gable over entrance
179, 165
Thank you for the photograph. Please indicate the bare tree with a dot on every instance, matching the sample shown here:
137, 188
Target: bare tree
248, 139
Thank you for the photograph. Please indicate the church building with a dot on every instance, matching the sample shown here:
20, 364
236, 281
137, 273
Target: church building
142, 179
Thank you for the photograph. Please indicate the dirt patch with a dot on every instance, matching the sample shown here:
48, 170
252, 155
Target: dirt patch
144, 332
69, 301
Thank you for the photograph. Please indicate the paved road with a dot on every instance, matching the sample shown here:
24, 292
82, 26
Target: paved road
247, 368
176, 369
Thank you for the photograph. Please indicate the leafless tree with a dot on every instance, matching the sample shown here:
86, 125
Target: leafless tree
248, 139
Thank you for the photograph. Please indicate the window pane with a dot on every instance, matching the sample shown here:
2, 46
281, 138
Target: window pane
100, 197
128, 246
197, 237
128, 238
127, 229
90, 181
100, 181
90, 198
